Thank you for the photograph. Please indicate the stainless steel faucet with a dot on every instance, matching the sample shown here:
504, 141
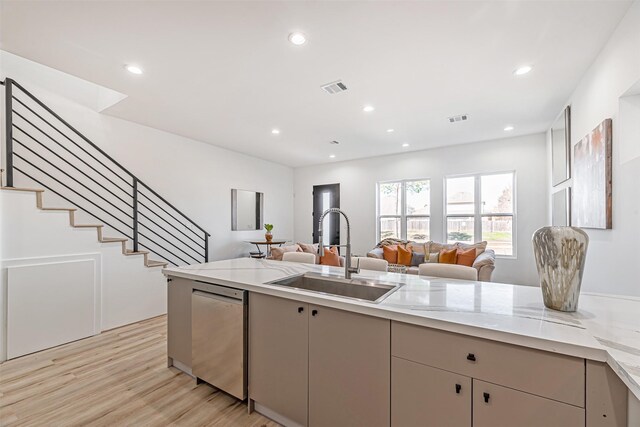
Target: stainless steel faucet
348, 270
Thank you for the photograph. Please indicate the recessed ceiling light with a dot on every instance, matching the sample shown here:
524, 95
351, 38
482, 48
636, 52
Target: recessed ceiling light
523, 70
508, 128
405, 145
332, 156
368, 108
390, 130
275, 131
134, 69
297, 38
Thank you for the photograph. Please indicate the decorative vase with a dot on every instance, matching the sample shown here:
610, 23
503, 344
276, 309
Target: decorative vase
268, 236
560, 253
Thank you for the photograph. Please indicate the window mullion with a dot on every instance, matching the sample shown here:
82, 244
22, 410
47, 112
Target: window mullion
403, 220
478, 211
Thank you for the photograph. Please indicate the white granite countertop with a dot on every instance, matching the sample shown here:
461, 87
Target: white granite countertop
605, 328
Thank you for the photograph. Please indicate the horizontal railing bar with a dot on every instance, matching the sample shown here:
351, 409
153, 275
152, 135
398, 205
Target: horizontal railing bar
54, 114
71, 189
99, 150
168, 232
174, 208
71, 140
165, 211
176, 228
70, 152
73, 166
159, 245
72, 202
72, 178
161, 256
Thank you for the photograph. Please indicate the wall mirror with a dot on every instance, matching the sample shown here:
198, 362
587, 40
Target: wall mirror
246, 210
560, 147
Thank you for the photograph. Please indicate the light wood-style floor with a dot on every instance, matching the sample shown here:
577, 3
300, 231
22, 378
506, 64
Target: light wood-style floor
117, 378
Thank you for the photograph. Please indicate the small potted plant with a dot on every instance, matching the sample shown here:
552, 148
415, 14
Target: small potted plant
268, 236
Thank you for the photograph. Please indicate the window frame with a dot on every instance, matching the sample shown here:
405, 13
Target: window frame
403, 209
477, 214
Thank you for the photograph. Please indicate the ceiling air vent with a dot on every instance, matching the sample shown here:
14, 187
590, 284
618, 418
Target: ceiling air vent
334, 142
460, 118
334, 87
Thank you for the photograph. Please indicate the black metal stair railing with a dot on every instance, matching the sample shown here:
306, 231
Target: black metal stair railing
46, 149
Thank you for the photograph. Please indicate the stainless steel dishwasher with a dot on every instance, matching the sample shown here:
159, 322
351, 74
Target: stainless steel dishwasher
219, 338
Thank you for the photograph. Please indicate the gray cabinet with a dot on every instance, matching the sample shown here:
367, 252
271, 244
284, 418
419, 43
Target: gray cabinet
425, 396
278, 355
349, 369
179, 321
318, 366
497, 406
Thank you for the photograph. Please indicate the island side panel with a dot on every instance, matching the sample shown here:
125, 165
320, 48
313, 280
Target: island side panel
606, 397
179, 323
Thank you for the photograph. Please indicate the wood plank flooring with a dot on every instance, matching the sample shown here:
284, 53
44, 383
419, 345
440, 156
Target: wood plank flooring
117, 378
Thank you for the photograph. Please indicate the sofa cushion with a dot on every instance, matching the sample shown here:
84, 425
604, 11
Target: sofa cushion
404, 256
376, 253
487, 258
433, 258
390, 253
416, 259
310, 248
417, 247
436, 247
466, 256
480, 246
276, 253
447, 256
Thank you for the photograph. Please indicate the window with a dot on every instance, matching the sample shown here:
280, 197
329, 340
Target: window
403, 210
481, 207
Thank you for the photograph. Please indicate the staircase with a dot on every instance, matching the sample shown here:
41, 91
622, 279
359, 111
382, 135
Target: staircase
49, 156
102, 239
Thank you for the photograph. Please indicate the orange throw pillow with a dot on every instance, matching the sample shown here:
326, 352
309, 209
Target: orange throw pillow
390, 253
331, 257
404, 256
447, 256
466, 256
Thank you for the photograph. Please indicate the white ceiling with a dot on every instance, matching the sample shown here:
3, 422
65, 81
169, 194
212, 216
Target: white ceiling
224, 72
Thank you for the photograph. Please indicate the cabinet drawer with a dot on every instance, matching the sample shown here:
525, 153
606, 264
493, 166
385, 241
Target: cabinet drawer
551, 375
496, 406
426, 396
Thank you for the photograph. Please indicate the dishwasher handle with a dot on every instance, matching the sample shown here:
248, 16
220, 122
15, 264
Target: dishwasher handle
217, 297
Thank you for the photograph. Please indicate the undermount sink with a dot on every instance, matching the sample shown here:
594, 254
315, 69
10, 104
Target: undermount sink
355, 288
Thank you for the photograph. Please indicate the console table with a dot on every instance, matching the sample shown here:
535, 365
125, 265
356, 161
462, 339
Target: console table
268, 245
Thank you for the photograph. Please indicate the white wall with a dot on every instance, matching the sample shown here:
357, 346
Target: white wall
128, 291
611, 265
195, 177
526, 155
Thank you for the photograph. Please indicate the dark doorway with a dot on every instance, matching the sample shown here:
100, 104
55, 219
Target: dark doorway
325, 197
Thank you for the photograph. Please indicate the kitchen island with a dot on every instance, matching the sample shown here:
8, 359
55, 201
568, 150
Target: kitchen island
583, 367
